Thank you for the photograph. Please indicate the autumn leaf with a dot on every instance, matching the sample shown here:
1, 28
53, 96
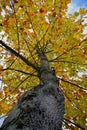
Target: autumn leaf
82, 11
31, 23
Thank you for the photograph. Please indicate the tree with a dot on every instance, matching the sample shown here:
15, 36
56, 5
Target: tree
38, 35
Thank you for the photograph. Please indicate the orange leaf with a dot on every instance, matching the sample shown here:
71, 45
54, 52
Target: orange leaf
5, 23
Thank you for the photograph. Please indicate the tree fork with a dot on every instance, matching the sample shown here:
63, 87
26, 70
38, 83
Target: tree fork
18, 55
42, 108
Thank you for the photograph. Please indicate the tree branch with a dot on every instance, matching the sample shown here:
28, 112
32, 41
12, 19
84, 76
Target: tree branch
73, 47
43, 58
15, 88
72, 103
17, 30
77, 125
18, 55
64, 80
21, 71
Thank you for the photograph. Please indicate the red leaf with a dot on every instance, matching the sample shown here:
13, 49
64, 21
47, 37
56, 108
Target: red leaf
54, 14
15, 1
5, 23
21, 29
42, 10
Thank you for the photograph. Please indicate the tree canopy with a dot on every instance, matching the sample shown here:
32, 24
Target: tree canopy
25, 24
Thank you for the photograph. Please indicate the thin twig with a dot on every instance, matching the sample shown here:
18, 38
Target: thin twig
21, 71
15, 88
77, 125
64, 80
18, 55
73, 104
73, 47
17, 30
30, 50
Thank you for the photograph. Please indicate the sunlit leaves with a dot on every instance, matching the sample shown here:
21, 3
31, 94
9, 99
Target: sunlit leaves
27, 23
76, 99
83, 11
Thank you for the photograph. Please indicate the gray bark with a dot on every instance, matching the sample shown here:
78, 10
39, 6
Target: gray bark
42, 108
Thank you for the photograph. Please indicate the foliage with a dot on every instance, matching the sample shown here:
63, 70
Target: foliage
27, 23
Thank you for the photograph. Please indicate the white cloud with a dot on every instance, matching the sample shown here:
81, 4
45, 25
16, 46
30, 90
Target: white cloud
72, 7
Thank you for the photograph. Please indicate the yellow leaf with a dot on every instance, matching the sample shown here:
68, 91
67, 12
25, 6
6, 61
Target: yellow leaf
82, 11
1, 94
1, 67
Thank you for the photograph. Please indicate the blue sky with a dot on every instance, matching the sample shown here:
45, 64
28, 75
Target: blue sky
75, 5
80, 3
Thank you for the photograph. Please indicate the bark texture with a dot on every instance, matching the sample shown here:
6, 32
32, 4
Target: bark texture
42, 108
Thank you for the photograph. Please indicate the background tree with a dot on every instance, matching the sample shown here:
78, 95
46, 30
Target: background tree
27, 24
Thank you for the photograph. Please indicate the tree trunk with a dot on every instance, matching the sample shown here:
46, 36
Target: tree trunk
42, 108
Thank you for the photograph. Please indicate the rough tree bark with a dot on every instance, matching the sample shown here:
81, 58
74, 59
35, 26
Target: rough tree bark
42, 108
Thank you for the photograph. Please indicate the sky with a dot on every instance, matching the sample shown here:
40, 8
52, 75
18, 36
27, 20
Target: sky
80, 3
74, 6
